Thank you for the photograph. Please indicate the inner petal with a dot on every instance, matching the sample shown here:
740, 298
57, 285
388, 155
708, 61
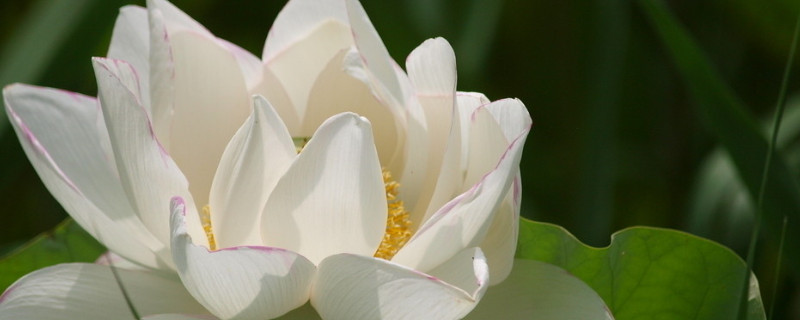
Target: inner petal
335, 92
211, 103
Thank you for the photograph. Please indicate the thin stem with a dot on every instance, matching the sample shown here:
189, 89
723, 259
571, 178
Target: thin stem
777, 269
770, 151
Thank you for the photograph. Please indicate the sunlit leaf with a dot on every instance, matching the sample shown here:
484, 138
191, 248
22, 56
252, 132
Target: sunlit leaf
68, 242
648, 273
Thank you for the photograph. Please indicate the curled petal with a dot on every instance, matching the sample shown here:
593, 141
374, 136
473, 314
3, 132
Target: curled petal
240, 282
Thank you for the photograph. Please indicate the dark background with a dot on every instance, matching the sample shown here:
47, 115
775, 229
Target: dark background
616, 142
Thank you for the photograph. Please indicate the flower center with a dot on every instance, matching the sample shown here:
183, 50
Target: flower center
205, 220
398, 223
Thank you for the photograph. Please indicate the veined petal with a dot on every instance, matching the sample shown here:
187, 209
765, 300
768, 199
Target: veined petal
90, 291
149, 176
65, 138
432, 72
130, 41
463, 222
332, 198
211, 103
357, 287
537, 290
244, 282
257, 156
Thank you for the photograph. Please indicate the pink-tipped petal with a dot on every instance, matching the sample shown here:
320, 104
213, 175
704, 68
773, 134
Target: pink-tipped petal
240, 282
332, 198
130, 41
148, 174
464, 221
90, 291
257, 156
358, 287
65, 138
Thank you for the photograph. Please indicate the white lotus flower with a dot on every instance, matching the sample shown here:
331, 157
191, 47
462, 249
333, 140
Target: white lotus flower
403, 204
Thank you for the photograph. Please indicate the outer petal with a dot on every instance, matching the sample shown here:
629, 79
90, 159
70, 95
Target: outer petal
240, 282
511, 115
332, 199
148, 174
536, 290
487, 139
334, 92
501, 239
467, 103
64, 137
463, 222
254, 160
90, 291
130, 42
358, 287
500, 244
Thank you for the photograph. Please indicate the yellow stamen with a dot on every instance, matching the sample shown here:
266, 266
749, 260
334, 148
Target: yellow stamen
398, 222
300, 143
205, 220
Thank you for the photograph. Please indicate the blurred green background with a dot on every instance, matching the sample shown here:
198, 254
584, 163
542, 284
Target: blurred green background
617, 140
